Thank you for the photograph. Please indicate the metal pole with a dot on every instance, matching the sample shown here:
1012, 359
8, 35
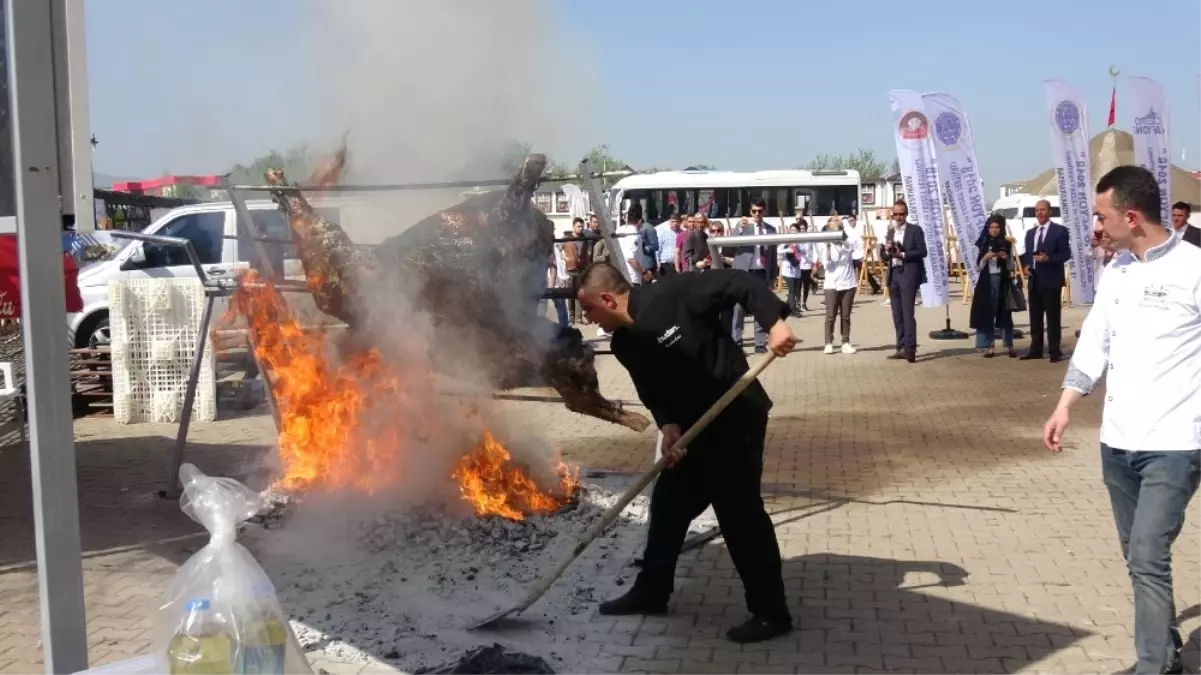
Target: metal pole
74, 122
189, 394
51, 434
601, 208
715, 243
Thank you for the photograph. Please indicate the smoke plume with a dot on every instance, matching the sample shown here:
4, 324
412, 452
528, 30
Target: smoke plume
425, 88
422, 89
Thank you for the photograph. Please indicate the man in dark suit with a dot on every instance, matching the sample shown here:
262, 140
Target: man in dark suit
905, 252
1180, 213
760, 261
1047, 251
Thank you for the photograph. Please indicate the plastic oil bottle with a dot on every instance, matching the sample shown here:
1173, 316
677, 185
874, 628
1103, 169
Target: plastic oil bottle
202, 644
263, 649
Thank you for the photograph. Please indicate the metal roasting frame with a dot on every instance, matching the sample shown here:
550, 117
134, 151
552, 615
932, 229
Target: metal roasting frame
218, 287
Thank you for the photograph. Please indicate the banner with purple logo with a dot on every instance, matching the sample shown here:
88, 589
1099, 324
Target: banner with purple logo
915, 154
1068, 117
958, 175
1152, 149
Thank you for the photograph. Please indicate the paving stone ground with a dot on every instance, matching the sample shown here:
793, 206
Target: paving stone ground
924, 527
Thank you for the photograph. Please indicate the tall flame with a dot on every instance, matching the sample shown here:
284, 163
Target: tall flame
345, 419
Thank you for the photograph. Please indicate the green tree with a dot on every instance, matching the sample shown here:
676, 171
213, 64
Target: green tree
297, 164
863, 161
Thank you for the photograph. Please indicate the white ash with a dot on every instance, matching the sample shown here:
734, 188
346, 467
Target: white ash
400, 588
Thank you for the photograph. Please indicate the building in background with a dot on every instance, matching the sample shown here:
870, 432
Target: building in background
180, 187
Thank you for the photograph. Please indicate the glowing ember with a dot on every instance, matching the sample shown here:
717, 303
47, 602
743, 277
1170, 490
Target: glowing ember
345, 418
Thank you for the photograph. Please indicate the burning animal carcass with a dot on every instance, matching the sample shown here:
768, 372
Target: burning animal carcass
356, 411
478, 269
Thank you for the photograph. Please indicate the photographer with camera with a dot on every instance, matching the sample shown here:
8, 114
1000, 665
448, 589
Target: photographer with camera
992, 303
905, 251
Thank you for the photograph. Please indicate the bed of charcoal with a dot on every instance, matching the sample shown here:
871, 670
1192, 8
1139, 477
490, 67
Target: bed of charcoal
399, 588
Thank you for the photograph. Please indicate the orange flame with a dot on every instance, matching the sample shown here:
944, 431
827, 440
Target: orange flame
344, 419
492, 486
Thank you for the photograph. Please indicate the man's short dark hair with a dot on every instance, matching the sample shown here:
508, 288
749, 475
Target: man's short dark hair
602, 277
758, 201
1182, 206
577, 219
1134, 189
634, 214
901, 202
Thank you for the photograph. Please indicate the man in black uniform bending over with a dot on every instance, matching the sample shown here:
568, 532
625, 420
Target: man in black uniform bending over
671, 338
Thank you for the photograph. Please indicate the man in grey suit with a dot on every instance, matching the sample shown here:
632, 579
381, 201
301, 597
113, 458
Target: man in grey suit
905, 251
759, 261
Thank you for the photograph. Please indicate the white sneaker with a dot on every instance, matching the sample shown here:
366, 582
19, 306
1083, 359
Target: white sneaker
600, 332
847, 348
829, 349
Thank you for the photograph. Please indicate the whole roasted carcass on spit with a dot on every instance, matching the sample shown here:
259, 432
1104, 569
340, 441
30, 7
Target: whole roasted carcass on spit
478, 269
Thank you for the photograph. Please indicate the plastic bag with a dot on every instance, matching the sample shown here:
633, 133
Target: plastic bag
221, 614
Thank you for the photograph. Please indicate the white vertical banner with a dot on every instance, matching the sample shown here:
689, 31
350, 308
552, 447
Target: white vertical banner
915, 154
1068, 116
958, 175
1152, 148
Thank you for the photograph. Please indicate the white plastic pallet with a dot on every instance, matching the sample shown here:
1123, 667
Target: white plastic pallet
154, 325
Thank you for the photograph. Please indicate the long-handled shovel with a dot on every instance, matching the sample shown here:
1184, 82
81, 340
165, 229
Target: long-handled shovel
611, 515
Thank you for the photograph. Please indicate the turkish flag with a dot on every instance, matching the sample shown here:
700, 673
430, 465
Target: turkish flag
10, 280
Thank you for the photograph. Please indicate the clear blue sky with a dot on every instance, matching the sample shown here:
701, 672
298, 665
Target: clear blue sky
193, 87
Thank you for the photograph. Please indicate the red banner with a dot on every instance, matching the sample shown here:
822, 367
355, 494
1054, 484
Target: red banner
10, 280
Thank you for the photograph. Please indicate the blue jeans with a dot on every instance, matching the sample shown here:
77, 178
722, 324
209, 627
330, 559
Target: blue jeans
1150, 492
560, 310
985, 336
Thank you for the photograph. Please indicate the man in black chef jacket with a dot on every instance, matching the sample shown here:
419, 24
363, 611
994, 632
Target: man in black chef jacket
671, 338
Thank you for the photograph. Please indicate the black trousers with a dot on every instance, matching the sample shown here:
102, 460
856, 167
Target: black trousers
807, 284
723, 467
1045, 302
666, 270
793, 283
902, 294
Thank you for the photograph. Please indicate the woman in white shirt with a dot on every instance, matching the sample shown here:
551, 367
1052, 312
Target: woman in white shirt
839, 284
790, 270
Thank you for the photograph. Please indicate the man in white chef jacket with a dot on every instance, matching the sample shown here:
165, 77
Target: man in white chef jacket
1143, 334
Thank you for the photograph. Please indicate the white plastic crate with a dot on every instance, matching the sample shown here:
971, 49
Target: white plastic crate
154, 325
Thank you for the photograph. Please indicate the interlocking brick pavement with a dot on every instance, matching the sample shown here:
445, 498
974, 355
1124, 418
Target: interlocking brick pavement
923, 526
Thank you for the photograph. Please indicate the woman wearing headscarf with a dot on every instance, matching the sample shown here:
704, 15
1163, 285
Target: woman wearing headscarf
989, 308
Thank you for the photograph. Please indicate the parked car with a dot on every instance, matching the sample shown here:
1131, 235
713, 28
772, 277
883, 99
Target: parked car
212, 229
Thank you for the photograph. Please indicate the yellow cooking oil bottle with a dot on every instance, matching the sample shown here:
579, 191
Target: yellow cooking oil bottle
202, 644
266, 636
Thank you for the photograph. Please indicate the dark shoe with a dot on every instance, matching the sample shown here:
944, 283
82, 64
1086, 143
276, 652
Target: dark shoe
760, 350
1056, 358
634, 602
900, 354
1031, 357
757, 629
1176, 669
1013, 354
911, 355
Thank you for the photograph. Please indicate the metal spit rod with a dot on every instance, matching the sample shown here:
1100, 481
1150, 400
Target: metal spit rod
393, 187
715, 243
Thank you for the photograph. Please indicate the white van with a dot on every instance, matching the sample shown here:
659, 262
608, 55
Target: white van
1018, 210
212, 229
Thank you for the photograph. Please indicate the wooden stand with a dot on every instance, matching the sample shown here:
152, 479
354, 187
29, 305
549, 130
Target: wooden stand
872, 262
